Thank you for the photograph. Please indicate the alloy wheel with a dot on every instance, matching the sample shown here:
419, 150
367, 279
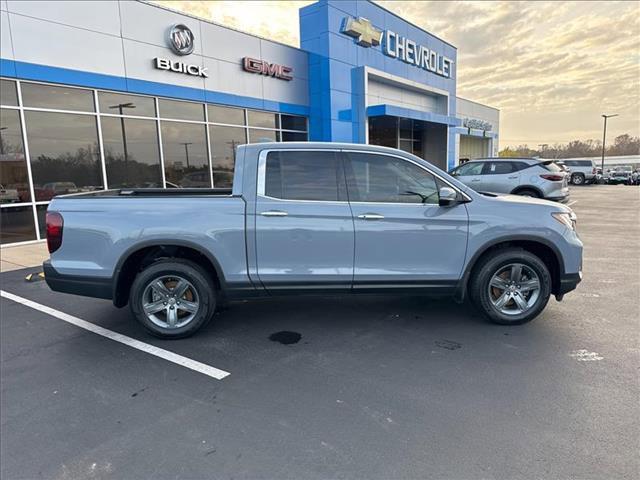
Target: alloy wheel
514, 289
170, 301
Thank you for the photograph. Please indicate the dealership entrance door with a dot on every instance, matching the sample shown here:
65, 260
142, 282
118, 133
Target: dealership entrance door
424, 139
473, 147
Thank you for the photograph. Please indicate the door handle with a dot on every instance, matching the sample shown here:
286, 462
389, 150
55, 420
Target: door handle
370, 216
513, 178
274, 213
475, 180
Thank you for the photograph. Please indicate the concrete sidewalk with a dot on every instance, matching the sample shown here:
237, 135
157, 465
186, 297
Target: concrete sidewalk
23, 256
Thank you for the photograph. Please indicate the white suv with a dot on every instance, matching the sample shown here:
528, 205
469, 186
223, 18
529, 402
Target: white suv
582, 171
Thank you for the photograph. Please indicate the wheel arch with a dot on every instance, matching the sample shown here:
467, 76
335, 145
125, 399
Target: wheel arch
521, 188
145, 253
542, 248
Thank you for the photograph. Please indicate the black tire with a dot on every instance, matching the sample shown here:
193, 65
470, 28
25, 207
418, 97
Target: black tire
577, 179
204, 295
528, 192
484, 272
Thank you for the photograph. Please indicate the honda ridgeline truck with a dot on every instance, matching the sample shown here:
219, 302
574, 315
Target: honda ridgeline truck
321, 218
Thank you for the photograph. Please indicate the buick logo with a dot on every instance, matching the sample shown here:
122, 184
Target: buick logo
181, 39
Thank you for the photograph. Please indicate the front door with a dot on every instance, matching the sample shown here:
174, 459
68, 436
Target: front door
470, 174
402, 236
304, 227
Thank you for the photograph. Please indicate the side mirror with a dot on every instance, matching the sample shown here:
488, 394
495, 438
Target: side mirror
448, 196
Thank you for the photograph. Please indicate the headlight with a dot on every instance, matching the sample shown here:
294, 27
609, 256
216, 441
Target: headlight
568, 219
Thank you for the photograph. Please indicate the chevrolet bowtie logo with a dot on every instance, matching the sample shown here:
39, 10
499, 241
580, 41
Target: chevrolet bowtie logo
361, 29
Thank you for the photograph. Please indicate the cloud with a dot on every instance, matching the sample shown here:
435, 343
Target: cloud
551, 67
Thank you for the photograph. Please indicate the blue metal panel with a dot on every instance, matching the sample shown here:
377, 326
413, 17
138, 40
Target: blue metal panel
46, 73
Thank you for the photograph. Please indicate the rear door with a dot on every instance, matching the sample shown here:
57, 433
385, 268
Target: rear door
500, 177
403, 238
304, 227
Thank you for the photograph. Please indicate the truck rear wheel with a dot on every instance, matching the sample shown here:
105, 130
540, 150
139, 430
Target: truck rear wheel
173, 298
511, 287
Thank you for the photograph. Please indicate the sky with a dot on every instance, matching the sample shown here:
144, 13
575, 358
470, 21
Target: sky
552, 68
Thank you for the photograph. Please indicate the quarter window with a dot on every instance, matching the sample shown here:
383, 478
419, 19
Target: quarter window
312, 175
380, 178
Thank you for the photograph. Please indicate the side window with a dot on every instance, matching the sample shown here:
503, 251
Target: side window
312, 175
474, 168
498, 168
517, 166
384, 179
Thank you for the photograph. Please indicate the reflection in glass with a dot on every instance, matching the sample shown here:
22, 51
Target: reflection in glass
224, 141
262, 119
118, 103
181, 110
41, 211
131, 152
56, 97
383, 131
294, 136
260, 136
292, 122
64, 153
16, 224
185, 155
231, 116
14, 180
8, 93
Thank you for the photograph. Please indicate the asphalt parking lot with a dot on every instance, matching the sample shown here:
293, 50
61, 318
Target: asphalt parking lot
376, 387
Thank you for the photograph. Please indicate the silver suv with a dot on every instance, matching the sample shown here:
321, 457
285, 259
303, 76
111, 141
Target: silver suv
582, 171
530, 177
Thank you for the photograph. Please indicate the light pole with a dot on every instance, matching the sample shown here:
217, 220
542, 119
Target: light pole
186, 151
120, 106
2, 141
604, 136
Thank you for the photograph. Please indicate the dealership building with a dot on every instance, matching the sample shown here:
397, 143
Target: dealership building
122, 94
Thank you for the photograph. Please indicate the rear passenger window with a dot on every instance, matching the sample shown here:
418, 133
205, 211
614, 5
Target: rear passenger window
473, 168
312, 175
498, 168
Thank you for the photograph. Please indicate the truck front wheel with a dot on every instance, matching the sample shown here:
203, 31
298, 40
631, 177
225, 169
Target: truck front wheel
511, 286
173, 298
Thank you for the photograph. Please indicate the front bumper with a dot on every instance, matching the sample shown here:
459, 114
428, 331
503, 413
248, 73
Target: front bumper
77, 285
569, 282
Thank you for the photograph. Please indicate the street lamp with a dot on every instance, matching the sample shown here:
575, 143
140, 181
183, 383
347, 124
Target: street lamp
186, 151
120, 107
604, 136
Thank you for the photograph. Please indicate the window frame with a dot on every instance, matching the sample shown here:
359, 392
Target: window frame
262, 174
486, 167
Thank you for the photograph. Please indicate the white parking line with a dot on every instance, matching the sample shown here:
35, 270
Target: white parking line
138, 345
573, 202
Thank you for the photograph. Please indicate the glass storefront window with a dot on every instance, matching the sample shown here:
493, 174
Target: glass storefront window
14, 179
16, 224
57, 98
229, 115
259, 136
294, 136
383, 131
131, 152
262, 119
117, 103
224, 141
292, 122
41, 211
8, 93
181, 110
185, 155
64, 153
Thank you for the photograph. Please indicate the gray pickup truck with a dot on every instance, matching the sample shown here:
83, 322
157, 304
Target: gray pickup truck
311, 218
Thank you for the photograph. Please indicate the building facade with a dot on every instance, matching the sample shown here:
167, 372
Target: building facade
122, 94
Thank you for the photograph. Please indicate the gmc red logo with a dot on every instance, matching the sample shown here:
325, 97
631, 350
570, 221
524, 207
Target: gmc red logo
262, 67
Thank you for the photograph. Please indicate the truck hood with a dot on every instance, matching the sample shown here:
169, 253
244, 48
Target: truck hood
520, 200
